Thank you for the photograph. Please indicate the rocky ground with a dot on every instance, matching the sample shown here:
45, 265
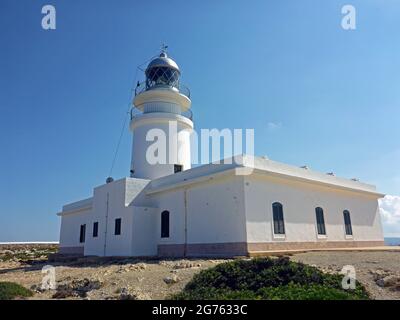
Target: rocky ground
379, 271
99, 278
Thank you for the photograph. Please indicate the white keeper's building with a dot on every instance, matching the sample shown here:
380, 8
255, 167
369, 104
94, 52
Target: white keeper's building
239, 207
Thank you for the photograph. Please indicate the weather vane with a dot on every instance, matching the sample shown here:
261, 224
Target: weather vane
164, 48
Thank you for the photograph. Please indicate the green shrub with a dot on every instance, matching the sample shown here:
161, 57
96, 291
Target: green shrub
216, 294
305, 292
11, 290
265, 278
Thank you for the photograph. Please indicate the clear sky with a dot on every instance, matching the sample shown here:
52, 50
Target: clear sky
314, 93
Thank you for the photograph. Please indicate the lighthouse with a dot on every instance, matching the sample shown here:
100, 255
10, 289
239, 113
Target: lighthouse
161, 121
211, 210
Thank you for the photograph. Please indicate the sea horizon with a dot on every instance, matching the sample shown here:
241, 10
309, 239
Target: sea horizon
392, 241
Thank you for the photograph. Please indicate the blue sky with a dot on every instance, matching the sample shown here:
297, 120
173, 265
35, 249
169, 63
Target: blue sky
314, 93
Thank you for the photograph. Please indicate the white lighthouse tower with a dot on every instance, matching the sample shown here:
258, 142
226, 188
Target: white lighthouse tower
163, 122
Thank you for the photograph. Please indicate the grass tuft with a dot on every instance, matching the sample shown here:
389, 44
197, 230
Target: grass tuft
12, 290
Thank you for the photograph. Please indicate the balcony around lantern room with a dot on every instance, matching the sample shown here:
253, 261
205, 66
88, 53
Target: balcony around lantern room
134, 113
149, 92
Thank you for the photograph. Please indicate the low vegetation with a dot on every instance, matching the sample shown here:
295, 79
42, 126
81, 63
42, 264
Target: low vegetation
266, 278
26, 253
12, 290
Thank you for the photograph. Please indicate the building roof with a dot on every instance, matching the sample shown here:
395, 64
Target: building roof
162, 61
240, 165
245, 164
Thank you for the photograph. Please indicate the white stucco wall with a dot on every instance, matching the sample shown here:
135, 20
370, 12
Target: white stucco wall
109, 202
70, 230
215, 212
144, 235
172, 201
299, 201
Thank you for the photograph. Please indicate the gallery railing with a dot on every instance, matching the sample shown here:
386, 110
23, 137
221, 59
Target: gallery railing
136, 112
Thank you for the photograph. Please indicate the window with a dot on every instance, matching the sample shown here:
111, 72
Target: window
279, 224
95, 229
319, 213
177, 168
82, 233
165, 224
347, 223
117, 226
162, 76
